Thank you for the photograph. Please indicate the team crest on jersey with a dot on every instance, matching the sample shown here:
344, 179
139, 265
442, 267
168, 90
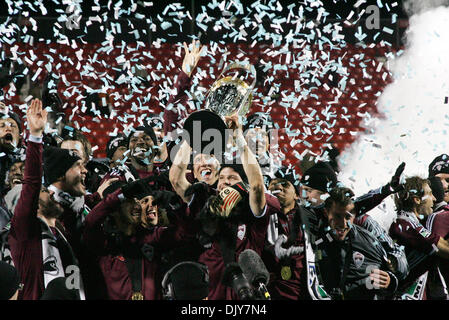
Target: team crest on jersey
424, 232
241, 231
358, 259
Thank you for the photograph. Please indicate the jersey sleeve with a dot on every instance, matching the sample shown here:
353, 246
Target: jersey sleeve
415, 237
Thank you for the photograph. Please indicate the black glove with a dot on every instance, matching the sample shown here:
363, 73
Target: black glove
98, 167
437, 188
51, 99
166, 199
137, 188
394, 185
197, 188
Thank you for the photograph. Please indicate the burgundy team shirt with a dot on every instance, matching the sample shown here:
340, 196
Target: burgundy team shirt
295, 287
25, 238
438, 223
112, 261
420, 245
250, 235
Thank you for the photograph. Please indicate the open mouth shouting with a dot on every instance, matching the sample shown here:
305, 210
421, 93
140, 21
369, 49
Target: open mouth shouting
16, 180
8, 138
140, 151
206, 173
151, 214
341, 232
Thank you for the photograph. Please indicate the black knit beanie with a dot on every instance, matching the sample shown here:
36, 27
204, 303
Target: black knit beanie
320, 177
237, 168
120, 140
56, 163
439, 165
148, 130
290, 175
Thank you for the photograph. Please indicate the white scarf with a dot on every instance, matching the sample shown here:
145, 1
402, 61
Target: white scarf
52, 263
74, 203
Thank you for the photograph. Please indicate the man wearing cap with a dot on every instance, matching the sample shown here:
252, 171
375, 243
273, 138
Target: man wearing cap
40, 246
75, 141
139, 162
116, 148
316, 183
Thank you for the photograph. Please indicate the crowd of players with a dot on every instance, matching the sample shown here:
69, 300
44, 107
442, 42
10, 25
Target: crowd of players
148, 226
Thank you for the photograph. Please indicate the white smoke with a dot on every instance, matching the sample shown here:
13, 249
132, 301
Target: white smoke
415, 125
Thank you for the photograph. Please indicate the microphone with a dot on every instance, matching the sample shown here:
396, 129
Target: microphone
255, 271
233, 277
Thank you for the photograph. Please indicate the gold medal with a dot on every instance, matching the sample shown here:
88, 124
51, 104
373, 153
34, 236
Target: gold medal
137, 296
286, 273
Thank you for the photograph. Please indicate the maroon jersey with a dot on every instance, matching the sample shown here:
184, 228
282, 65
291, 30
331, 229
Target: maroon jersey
249, 235
420, 244
293, 288
25, 237
111, 254
438, 223
91, 200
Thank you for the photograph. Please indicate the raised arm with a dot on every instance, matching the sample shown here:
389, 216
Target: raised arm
24, 222
172, 115
252, 169
178, 171
373, 198
93, 234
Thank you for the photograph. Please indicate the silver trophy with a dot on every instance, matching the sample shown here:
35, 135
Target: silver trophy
229, 95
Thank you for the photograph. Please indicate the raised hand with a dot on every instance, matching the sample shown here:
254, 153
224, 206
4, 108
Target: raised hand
233, 122
191, 57
36, 118
105, 185
395, 185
